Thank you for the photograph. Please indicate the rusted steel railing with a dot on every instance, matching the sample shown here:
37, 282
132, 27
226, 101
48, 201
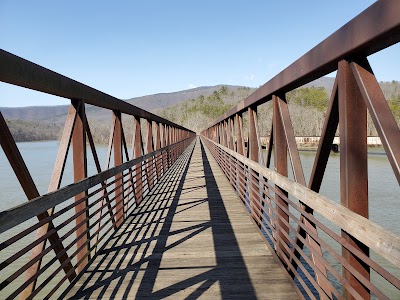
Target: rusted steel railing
284, 209
73, 222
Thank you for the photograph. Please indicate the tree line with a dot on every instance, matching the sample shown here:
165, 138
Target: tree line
307, 108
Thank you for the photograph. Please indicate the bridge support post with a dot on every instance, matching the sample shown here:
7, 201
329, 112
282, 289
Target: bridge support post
229, 146
119, 192
149, 149
169, 142
219, 135
280, 157
240, 149
232, 147
156, 147
353, 168
225, 133
137, 145
80, 172
254, 154
162, 145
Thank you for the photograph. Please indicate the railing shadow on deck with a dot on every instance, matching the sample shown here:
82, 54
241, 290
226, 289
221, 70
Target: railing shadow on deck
224, 265
160, 208
138, 224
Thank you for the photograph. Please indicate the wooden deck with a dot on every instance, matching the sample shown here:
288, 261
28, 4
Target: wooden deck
190, 238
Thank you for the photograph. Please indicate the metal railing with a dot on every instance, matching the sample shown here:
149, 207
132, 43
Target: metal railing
41, 257
285, 210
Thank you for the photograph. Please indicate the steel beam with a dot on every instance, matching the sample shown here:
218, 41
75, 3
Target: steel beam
80, 172
254, 154
381, 115
149, 149
280, 157
118, 160
353, 168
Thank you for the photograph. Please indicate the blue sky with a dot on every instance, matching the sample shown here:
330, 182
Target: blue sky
135, 48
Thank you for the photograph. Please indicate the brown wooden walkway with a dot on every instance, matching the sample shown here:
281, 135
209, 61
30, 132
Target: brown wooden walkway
190, 238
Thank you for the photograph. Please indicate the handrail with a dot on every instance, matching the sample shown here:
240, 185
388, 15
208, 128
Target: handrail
20, 213
375, 29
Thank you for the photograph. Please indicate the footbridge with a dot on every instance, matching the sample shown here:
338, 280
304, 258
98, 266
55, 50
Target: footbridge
178, 214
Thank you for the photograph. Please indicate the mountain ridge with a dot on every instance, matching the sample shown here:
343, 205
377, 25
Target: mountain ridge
52, 113
195, 106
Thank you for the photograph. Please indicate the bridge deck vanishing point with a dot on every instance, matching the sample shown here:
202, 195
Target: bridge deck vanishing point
189, 238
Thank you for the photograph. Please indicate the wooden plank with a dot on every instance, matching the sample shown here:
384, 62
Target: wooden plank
190, 237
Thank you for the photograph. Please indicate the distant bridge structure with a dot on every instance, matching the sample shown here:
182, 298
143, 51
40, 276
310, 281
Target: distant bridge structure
184, 216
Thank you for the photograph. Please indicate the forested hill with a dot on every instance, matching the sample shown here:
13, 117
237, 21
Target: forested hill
163, 100
307, 106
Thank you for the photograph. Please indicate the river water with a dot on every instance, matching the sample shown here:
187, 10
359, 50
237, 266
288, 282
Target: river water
384, 191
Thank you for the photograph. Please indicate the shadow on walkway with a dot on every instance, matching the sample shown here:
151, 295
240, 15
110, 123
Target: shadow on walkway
178, 243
